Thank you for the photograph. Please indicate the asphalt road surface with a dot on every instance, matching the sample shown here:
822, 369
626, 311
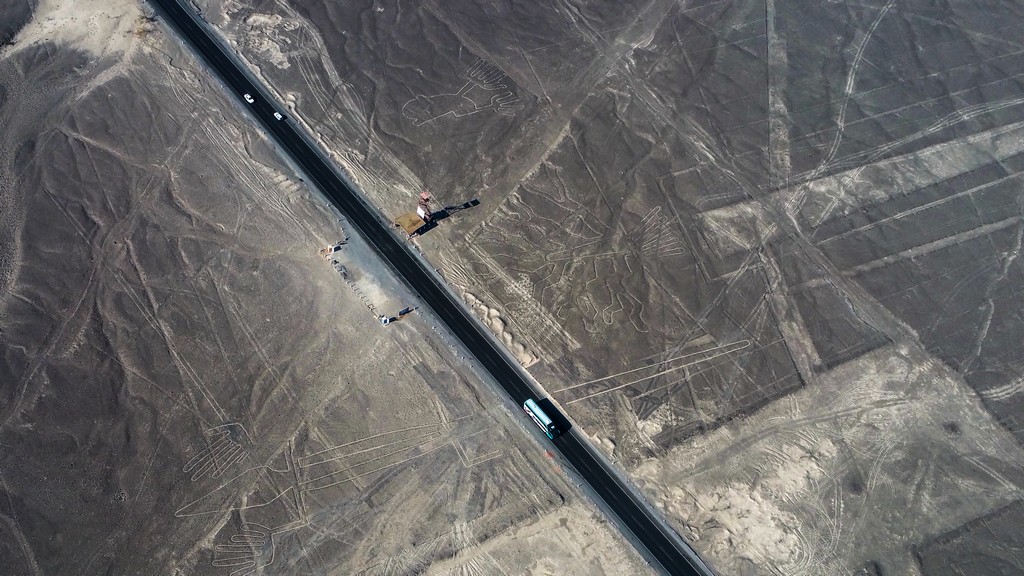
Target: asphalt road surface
661, 542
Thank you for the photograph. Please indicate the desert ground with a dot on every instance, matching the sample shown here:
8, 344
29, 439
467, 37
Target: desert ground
765, 254
188, 387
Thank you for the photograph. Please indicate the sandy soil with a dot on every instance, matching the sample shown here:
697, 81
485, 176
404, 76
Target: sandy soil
186, 386
698, 217
819, 483
98, 27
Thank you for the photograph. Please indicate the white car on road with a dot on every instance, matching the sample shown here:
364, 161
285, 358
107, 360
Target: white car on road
248, 98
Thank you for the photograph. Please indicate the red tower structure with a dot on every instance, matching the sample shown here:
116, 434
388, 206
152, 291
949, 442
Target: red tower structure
423, 208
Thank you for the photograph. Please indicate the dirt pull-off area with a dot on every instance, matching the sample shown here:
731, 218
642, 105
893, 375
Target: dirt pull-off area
187, 387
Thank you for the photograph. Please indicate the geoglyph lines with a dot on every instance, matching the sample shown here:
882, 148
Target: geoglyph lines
252, 549
486, 89
375, 436
227, 445
970, 32
690, 359
841, 193
428, 439
652, 236
467, 460
743, 398
223, 450
925, 101
921, 208
244, 549
403, 445
193, 509
929, 247
742, 343
848, 91
185, 370
947, 121
990, 302
928, 103
859, 159
233, 496
655, 235
1004, 392
567, 256
351, 470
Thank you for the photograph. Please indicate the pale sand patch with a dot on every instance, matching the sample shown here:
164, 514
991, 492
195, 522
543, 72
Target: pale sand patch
571, 541
655, 423
747, 524
263, 37
99, 27
499, 327
883, 453
746, 225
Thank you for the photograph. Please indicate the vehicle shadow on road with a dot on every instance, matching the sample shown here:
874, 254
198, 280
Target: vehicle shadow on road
555, 414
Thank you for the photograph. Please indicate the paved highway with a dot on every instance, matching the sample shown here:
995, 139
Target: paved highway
661, 542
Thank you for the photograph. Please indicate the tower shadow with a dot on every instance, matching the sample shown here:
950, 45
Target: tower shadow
443, 214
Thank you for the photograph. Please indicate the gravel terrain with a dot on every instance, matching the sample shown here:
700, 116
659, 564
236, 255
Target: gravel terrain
187, 387
700, 221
